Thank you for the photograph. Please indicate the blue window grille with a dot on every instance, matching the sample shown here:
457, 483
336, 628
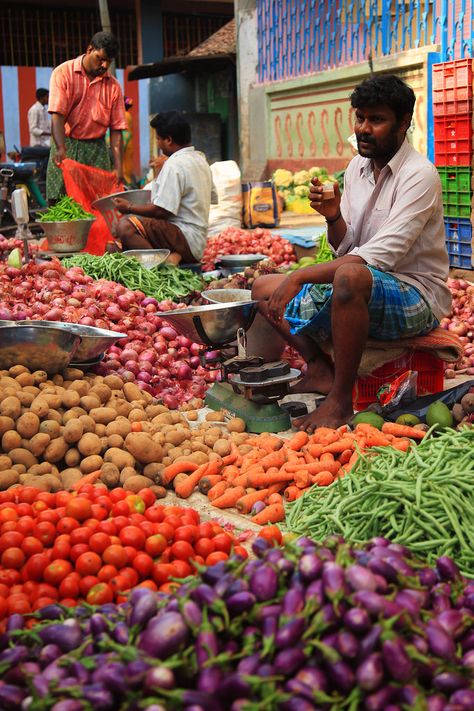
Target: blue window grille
298, 37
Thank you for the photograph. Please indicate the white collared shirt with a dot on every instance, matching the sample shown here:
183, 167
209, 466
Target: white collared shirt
396, 224
39, 123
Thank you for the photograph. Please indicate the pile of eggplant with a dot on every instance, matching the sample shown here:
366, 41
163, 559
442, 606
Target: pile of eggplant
300, 628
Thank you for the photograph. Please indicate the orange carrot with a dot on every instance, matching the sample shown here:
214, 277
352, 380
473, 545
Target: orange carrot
373, 436
327, 457
302, 479
270, 514
274, 499
403, 445
268, 442
87, 479
207, 482
169, 472
230, 472
245, 503
323, 478
314, 468
241, 480
217, 490
402, 430
297, 441
292, 493
345, 456
229, 498
275, 459
276, 488
337, 447
325, 436
185, 488
315, 450
232, 456
264, 480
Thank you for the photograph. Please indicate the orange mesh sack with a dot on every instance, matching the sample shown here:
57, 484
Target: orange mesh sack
87, 184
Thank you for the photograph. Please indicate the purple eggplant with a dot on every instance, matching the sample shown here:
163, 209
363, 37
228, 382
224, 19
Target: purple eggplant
67, 635
249, 665
428, 577
436, 702
240, 602
357, 620
396, 660
51, 612
310, 567
11, 697
214, 572
409, 694
447, 568
463, 697
360, 578
452, 621
347, 644
269, 630
411, 601
204, 595
14, 655
99, 698
67, 705
237, 586
265, 670
285, 565
288, 661
333, 579
379, 700
159, 678
234, 686
440, 643
467, 641
144, 607
269, 611
264, 583
192, 614
273, 555
121, 633
165, 636
342, 676
207, 645
209, 680
290, 633
297, 703
379, 542
15, 622
369, 673
468, 660
40, 685
293, 601
260, 546
54, 671
449, 681
315, 592
135, 673
97, 625
112, 675
370, 642
297, 688
21, 673
257, 507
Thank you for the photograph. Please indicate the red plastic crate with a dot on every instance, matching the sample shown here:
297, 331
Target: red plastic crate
452, 108
452, 127
449, 75
430, 377
453, 152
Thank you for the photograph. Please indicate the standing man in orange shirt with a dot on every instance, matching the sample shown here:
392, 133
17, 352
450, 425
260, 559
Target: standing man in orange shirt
84, 101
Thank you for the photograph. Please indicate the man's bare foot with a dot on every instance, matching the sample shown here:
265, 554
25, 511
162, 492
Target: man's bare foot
318, 378
332, 413
174, 258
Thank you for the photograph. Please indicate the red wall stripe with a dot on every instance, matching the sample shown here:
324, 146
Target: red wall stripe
131, 90
26, 98
2, 125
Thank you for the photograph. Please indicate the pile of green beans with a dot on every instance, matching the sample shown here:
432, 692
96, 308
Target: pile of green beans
65, 210
423, 499
162, 282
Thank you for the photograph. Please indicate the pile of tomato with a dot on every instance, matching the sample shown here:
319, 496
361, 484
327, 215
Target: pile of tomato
96, 545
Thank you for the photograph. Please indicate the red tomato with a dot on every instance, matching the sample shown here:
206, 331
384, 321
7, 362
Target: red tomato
79, 507
31, 545
87, 583
68, 602
11, 539
199, 560
135, 503
222, 542
131, 552
205, 530
162, 572
106, 573
119, 584
271, 533
3, 608
100, 594
155, 545
169, 588
48, 515
150, 584
67, 525
108, 526
45, 532
62, 547
155, 514
4, 590
30, 588
182, 550
99, 512
216, 557
204, 547
8, 526
175, 521
78, 550
61, 498
47, 498
117, 494
28, 494
104, 501
241, 551
187, 533
9, 577
69, 587
148, 528
88, 563
24, 510
120, 522
180, 569
131, 575
46, 590
115, 555
8, 514
143, 564
121, 508
40, 602
98, 542
36, 565
81, 535
166, 530
25, 524
132, 536
147, 496
39, 506
56, 571
18, 604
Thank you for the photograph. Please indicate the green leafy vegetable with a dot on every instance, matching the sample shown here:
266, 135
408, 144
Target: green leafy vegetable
65, 210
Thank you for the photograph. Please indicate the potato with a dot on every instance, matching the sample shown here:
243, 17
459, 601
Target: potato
55, 416
31, 389
25, 398
222, 447
50, 427
46, 482
163, 419
192, 415
89, 444
119, 457
70, 398
10, 440
87, 423
196, 457
110, 475
127, 473
236, 424
197, 446
215, 416
16, 370
69, 477
80, 386
40, 376
38, 469
73, 431
8, 477
245, 448
122, 426
91, 464
20, 468
159, 491
58, 379
40, 406
121, 406
25, 378
175, 452
5, 462
154, 410
102, 391
10, 407
137, 482
53, 399
115, 441
153, 470
102, 415
176, 436
89, 402
100, 431
113, 382
38, 443
56, 450
137, 415
72, 457
73, 374
28, 425
18, 455
143, 448
132, 392
238, 437
158, 437
6, 424
73, 414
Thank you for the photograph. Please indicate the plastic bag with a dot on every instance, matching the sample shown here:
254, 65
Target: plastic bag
227, 212
260, 205
420, 406
402, 389
85, 184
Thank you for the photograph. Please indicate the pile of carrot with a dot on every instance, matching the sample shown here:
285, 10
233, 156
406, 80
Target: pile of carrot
275, 470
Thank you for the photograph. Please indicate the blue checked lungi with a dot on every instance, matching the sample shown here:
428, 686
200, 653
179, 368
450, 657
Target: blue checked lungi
396, 310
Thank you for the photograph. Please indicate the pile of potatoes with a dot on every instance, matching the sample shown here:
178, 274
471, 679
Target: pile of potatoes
55, 431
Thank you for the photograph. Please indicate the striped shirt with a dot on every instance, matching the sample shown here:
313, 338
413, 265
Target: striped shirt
39, 124
89, 107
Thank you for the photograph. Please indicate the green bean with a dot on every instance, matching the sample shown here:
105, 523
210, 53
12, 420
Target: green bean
65, 210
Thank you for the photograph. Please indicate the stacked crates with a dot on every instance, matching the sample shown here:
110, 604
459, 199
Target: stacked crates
453, 151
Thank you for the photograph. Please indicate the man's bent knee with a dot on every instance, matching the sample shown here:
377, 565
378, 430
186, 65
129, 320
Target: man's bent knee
352, 281
264, 286
125, 229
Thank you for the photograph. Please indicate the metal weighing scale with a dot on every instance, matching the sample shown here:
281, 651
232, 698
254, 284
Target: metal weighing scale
249, 388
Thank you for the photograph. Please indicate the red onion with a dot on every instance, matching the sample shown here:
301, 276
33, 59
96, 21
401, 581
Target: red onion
184, 372
149, 300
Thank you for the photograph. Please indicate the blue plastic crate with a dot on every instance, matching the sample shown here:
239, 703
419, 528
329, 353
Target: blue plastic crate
460, 260
458, 229
458, 247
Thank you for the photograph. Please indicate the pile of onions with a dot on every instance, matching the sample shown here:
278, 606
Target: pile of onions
8, 244
461, 322
233, 240
153, 355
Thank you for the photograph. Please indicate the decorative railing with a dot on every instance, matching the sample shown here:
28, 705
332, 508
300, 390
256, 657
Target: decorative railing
298, 37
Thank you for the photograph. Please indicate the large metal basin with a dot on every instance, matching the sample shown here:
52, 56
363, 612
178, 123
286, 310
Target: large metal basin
108, 210
67, 236
37, 348
94, 341
225, 296
148, 258
214, 325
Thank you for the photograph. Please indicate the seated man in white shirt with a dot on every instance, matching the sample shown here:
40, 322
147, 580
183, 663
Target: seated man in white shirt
389, 278
177, 218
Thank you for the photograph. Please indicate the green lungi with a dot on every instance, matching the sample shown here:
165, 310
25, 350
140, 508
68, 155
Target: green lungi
94, 152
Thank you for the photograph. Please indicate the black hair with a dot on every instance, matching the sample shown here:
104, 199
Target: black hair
174, 125
41, 93
385, 89
106, 41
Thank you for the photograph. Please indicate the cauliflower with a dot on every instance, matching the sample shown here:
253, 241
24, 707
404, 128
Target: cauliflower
317, 172
282, 178
302, 191
302, 177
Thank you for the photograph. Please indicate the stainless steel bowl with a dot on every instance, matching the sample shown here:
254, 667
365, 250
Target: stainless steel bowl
214, 325
149, 258
108, 210
67, 236
94, 341
225, 296
239, 260
37, 348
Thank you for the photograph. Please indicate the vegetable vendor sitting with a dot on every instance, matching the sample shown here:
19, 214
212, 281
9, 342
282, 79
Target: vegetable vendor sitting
177, 218
389, 278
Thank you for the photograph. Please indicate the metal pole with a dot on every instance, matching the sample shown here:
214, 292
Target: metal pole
106, 26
